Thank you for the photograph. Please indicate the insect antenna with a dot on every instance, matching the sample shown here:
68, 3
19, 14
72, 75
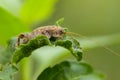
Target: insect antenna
105, 47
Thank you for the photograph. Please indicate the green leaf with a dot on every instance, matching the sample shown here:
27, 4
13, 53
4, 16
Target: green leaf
80, 68
37, 10
42, 58
45, 63
7, 72
64, 43
11, 6
9, 26
93, 76
66, 71
7, 53
59, 22
77, 50
55, 73
25, 50
5, 56
72, 45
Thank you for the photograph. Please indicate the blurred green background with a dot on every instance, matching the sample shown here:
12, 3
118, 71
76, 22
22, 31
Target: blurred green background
93, 18
86, 17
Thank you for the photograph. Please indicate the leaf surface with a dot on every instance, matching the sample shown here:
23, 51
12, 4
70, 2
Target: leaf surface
9, 26
37, 10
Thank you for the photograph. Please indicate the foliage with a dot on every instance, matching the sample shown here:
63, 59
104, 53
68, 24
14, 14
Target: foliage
37, 10
7, 72
24, 50
41, 57
6, 53
9, 26
67, 70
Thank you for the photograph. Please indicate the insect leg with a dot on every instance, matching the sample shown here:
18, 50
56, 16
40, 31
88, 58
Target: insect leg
19, 37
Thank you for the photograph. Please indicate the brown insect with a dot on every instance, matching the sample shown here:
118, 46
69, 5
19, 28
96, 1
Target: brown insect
49, 31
